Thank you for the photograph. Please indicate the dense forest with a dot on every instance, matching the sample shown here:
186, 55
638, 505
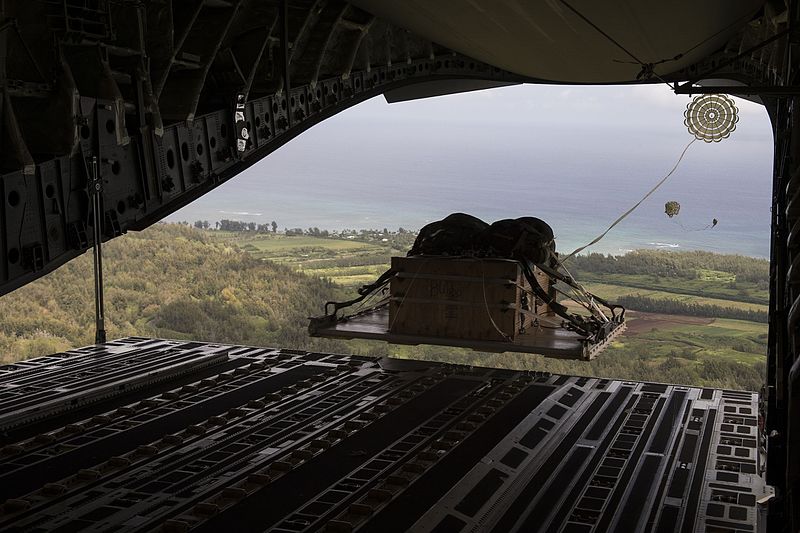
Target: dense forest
684, 265
697, 273
176, 281
677, 307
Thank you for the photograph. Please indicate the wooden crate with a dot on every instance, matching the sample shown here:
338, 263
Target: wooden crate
455, 298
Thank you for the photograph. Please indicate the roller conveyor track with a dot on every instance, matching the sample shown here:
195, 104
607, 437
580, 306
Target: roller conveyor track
87, 377
287, 440
118, 429
58, 364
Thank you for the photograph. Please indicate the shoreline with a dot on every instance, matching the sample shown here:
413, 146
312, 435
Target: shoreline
657, 246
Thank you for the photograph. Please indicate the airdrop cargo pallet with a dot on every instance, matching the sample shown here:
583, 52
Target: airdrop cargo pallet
486, 304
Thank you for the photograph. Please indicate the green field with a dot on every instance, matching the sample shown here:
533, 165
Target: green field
348, 276
703, 288
609, 292
298, 248
733, 340
321, 257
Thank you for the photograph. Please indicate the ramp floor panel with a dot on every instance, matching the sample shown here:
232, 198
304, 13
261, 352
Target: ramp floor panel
287, 440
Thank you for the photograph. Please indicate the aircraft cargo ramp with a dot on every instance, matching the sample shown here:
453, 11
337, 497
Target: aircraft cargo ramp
146, 434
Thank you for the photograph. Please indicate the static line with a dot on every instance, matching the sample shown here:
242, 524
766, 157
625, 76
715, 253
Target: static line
629, 211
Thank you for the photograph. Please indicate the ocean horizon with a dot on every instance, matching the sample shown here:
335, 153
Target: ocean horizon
294, 198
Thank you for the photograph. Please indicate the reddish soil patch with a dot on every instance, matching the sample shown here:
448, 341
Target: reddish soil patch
641, 322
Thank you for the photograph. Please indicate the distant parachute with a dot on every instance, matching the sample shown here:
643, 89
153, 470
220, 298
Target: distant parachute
672, 208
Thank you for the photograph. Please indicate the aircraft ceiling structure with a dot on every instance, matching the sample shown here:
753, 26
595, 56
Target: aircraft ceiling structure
130, 106
555, 41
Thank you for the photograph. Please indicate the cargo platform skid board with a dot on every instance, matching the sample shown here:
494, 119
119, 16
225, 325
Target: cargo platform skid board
557, 343
238, 438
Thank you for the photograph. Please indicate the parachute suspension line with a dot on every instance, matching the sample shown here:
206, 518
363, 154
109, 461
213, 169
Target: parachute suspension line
372, 294
588, 297
486, 304
687, 229
579, 293
629, 211
364, 306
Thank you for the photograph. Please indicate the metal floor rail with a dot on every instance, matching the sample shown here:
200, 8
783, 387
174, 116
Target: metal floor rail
146, 434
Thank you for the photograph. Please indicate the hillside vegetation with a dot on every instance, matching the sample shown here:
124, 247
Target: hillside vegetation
168, 281
259, 289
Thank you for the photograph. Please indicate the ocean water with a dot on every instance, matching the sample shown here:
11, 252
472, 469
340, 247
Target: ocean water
384, 167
